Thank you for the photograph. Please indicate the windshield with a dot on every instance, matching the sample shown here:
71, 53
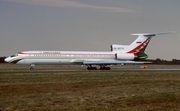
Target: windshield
14, 55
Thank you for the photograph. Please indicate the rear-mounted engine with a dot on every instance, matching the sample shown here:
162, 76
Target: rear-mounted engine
121, 56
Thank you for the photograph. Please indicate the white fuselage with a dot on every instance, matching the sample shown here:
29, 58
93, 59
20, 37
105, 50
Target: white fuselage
58, 57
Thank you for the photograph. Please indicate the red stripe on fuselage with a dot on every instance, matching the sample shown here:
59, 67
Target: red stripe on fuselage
21, 53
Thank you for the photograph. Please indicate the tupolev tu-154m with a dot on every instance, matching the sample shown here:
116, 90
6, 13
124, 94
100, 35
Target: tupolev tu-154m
119, 54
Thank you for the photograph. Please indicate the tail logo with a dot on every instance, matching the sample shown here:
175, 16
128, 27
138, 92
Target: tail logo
139, 47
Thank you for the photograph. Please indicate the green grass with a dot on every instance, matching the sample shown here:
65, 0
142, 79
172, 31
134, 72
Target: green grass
90, 91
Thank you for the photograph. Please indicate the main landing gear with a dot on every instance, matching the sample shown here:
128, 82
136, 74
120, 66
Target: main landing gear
91, 68
102, 67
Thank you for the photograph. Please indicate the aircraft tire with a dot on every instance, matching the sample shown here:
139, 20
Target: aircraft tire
31, 68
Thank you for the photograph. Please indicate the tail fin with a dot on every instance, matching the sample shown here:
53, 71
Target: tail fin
139, 45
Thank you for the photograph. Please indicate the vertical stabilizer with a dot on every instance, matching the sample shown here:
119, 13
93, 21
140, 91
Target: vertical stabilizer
138, 46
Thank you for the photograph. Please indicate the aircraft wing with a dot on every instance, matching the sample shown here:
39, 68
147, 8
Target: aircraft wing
106, 62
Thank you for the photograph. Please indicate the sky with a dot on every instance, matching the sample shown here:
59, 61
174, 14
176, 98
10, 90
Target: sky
88, 25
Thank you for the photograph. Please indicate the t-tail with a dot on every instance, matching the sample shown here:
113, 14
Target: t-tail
137, 47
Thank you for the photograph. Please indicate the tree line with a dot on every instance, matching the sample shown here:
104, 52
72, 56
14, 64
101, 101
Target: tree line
2, 59
153, 61
165, 62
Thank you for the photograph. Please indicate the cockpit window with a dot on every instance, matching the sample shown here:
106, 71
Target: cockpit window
14, 55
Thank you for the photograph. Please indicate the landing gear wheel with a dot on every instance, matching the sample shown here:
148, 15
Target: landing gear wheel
31, 68
91, 68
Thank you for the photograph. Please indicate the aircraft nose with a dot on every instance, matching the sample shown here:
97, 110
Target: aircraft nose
7, 59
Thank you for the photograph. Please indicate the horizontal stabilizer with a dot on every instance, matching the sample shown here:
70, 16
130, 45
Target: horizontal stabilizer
153, 34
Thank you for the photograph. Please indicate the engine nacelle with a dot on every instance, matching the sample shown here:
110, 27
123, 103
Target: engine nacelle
121, 56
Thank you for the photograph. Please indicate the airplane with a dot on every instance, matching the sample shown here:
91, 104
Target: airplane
119, 54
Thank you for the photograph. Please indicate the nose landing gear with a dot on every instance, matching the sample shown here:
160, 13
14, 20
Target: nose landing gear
31, 68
